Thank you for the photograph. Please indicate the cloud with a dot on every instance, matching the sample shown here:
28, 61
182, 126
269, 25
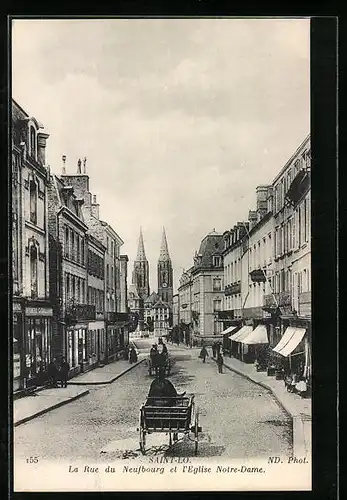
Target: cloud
180, 119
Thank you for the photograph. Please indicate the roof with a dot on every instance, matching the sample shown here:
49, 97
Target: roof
164, 251
141, 255
152, 299
211, 245
133, 290
161, 303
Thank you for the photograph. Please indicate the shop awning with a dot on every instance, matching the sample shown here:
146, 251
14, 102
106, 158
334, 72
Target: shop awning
241, 334
257, 336
229, 330
290, 340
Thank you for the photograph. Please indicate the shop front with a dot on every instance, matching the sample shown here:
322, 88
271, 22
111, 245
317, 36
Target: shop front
95, 345
38, 333
18, 347
76, 348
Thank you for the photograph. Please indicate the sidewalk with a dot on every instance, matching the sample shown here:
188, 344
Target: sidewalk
297, 408
40, 402
29, 407
106, 374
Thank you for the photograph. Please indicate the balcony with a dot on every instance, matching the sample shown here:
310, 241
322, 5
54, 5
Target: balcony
225, 315
258, 275
76, 313
305, 304
269, 303
232, 289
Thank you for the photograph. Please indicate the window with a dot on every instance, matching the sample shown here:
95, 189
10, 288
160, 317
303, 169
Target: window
305, 221
67, 249
107, 274
217, 305
73, 256
78, 249
32, 142
33, 272
82, 252
216, 261
217, 284
107, 244
33, 201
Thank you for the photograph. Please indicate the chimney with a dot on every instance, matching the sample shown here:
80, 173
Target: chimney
64, 164
252, 217
262, 194
79, 169
41, 147
95, 208
84, 165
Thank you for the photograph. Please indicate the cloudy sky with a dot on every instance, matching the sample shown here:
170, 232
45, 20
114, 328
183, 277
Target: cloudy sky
180, 119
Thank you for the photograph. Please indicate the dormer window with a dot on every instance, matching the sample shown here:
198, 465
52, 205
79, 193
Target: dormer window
216, 261
33, 142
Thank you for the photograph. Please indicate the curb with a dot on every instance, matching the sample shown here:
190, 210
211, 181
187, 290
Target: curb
46, 410
297, 420
113, 379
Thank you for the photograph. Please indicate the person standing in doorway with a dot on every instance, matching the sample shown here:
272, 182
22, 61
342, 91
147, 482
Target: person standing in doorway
64, 372
220, 362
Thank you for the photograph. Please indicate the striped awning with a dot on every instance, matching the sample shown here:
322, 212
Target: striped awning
241, 334
229, 330
290, 340
257, 336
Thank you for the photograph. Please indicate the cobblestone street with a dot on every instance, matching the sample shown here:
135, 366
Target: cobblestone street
239, 419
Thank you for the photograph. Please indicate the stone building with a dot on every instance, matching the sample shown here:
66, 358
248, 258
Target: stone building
140, 282
204, 287
176, 309
115, 286
165, 273
32, 310
185, 298
68, 274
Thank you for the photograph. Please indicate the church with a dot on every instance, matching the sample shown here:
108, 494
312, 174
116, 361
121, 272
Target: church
154, 309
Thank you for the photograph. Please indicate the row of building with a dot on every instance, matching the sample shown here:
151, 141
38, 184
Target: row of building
69, 278
258, 273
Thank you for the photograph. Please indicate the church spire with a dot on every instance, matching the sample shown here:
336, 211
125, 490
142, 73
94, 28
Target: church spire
141, 256
164, 251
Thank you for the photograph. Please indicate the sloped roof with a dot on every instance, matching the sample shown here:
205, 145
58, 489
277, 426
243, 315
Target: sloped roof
161, 303
152, 299
211, 245
164, 250
141, 255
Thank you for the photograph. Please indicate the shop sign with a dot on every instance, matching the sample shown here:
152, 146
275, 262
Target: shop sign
16, 365
39, 311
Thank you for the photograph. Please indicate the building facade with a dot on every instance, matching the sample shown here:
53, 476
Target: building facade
185, 291
202, 288
68, 274
115, 268
32, 310
176, 310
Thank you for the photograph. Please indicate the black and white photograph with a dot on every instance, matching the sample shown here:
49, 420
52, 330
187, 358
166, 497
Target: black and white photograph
161, 254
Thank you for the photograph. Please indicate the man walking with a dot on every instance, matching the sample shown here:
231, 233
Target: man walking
214, 349
203, 354
220, 362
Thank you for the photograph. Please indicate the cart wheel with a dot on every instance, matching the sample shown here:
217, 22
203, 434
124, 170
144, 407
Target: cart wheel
196, 432
142, 441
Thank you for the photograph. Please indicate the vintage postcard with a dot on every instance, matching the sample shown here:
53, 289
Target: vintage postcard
161, 255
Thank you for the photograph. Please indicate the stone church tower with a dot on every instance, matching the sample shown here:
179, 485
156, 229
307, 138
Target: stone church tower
165, 274
141, 270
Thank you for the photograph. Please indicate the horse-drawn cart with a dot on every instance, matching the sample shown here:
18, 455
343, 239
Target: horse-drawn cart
159, 361
180, 418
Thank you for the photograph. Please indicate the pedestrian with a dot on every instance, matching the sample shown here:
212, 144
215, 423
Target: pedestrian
132, 355
220, 362
52, 372
203, 354
214, 349
126, 353
64, 372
